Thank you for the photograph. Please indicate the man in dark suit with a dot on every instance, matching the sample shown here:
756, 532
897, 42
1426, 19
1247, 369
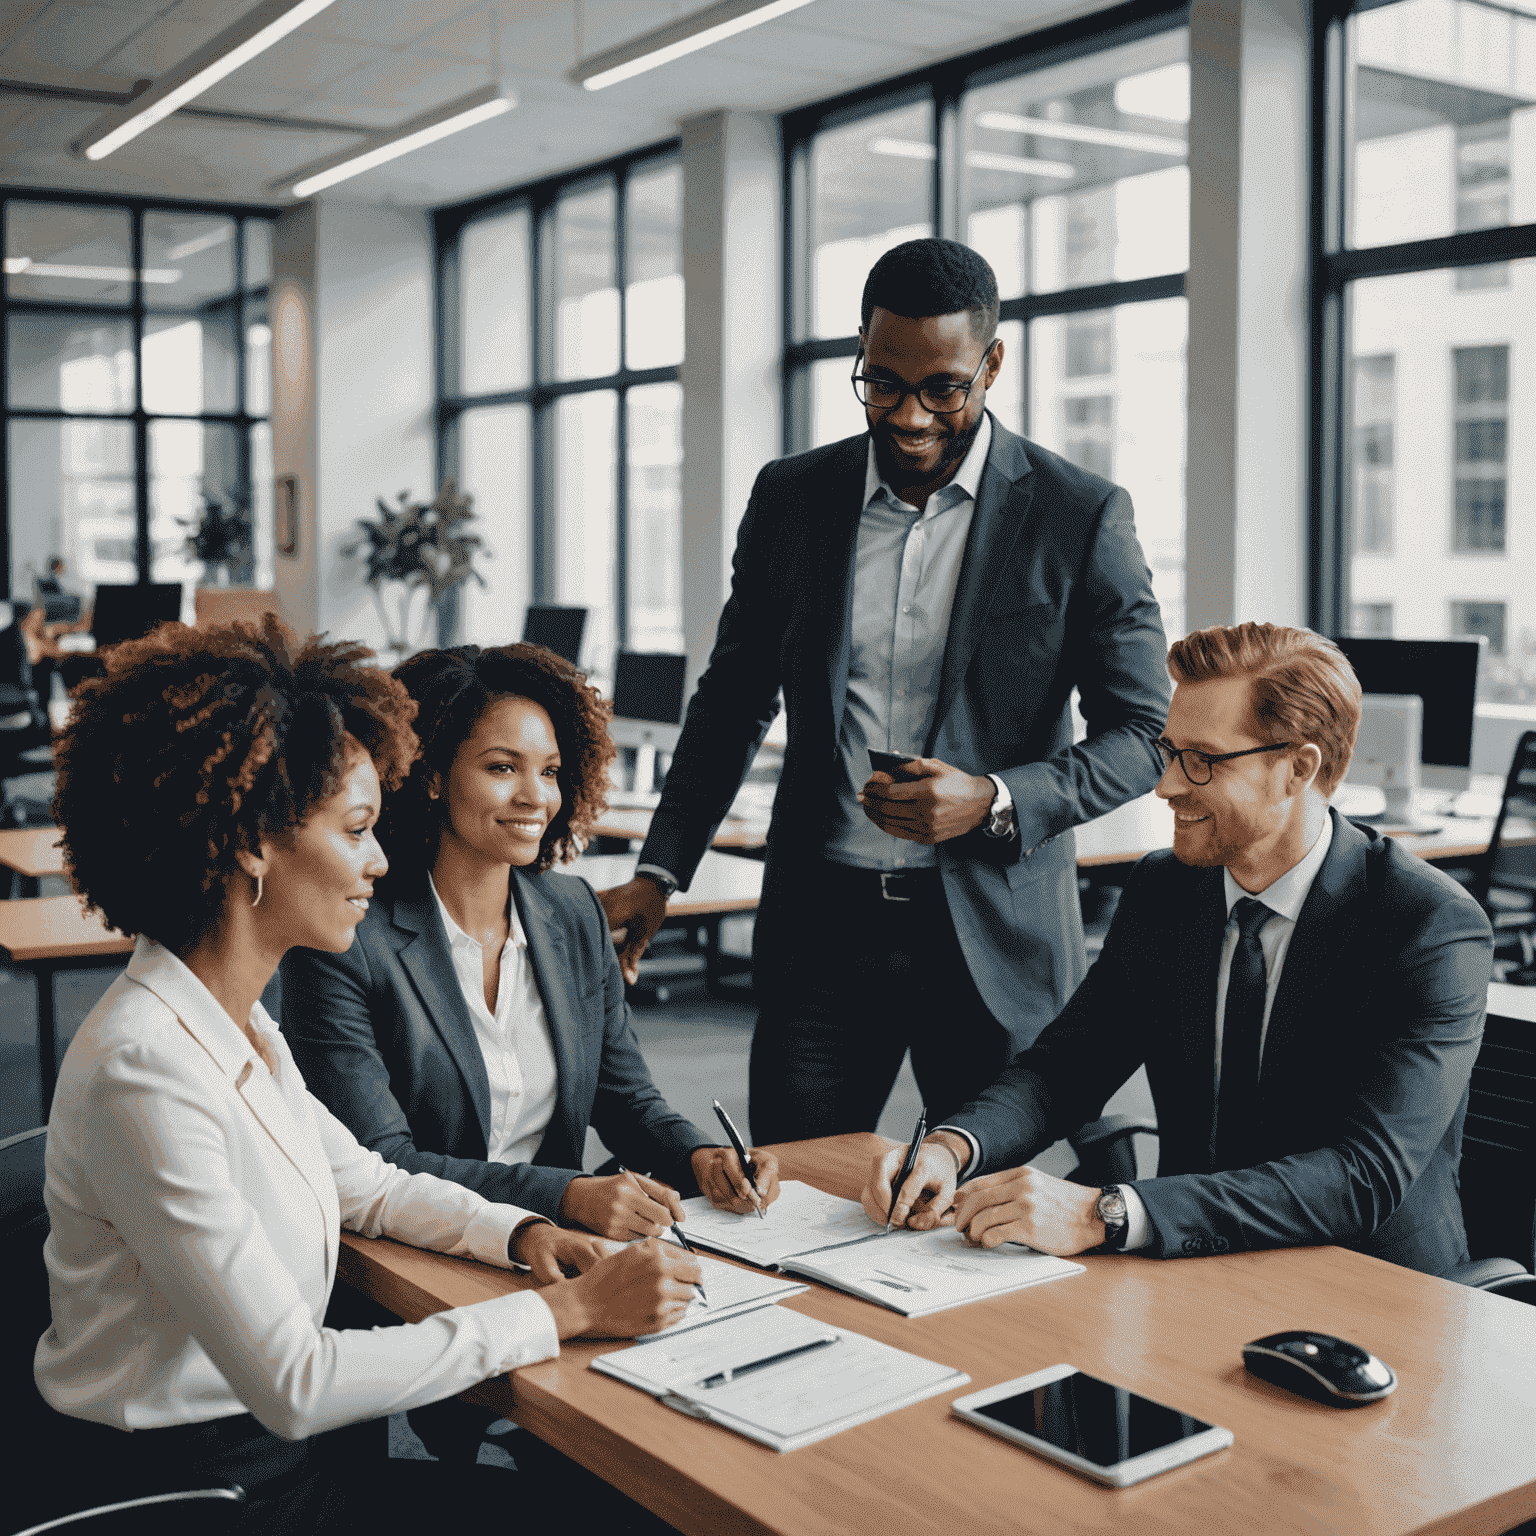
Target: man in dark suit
1308, 1000
937, 587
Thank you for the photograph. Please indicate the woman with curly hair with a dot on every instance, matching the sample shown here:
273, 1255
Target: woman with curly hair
478, 1026
217, 793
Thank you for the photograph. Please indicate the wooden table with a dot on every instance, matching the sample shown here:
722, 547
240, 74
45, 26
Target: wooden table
46, 935
31, 852
1452, 1451
631, 826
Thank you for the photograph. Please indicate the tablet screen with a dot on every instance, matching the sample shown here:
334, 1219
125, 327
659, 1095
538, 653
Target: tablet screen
1090, 1418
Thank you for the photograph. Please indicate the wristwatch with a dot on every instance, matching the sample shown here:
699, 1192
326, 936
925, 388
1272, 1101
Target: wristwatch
1000, 821
664, 878
1112, 1211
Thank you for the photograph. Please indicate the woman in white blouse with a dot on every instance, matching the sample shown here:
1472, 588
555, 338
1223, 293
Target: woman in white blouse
217, 795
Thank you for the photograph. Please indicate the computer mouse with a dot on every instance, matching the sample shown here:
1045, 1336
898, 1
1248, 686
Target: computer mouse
1319, 1366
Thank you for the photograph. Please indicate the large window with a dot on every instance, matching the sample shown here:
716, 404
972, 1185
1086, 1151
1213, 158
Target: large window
560, 411
1064, 162
1425, 313
137, 389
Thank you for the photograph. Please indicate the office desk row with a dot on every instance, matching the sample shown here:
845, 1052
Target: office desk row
1451, 1451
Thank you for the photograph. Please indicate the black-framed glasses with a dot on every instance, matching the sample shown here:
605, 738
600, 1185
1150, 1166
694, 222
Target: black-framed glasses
939, 397
1203, 762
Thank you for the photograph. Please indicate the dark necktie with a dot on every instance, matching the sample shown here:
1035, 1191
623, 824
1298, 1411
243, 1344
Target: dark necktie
1242, 1023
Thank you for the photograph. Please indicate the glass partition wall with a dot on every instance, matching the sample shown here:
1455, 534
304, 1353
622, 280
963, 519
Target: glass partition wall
1425, 328
1064, 161
559, 407
136, 390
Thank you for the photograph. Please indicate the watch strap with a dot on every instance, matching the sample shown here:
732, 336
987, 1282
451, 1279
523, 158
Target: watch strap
1112, 1212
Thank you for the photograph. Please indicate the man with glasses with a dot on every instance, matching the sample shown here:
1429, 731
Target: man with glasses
935, 587
1307, 998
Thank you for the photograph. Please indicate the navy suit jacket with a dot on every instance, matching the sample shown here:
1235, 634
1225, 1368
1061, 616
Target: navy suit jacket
385, 1040
1363, 1088
1053, 594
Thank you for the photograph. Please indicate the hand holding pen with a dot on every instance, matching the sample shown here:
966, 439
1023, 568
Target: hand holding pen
677, 1232
756, 1176
908, 1163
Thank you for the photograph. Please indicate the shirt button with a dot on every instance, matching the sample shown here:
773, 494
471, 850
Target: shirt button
907, 609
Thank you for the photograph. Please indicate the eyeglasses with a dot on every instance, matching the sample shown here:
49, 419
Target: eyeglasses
939, 397
1203, 762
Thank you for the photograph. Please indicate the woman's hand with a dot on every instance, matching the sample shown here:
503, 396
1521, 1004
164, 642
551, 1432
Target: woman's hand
623, 1206
552, 1253
720, 1175
643, 1288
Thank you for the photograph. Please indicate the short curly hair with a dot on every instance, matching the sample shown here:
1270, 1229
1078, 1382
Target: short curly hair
198, 743
452, 689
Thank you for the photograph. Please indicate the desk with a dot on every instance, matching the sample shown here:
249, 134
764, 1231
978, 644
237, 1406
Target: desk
31, 852
1450, 1452
46, 935
631, 826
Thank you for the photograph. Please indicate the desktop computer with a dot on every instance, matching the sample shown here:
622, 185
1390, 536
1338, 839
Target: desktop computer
556, 629
647, 715
130, 612
1387, 751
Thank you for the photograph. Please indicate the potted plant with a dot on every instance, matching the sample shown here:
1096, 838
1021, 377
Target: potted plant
419, 548
221, 538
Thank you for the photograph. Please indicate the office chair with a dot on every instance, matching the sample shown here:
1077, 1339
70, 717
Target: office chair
1498, 1160
32, 1443
26, 751
1505, 881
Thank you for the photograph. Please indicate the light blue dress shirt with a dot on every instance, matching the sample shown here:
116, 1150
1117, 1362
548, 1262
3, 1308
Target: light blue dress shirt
906, 569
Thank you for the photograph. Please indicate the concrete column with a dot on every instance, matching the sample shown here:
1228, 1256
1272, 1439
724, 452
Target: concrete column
1246, 533
732, 242
294, 423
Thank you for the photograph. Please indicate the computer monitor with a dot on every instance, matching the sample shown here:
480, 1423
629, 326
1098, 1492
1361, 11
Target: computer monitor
1443, 673
556, 629
129, 613
648, 699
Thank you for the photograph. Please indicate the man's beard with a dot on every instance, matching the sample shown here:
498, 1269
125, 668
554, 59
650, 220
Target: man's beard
954, 449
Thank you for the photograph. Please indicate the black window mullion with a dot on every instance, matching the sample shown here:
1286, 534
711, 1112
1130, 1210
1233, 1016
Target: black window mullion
5, 417
140, 416
244, 485
621, 414
541, 444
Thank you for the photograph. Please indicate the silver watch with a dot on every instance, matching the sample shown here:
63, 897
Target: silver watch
1000, 822
1115, 1214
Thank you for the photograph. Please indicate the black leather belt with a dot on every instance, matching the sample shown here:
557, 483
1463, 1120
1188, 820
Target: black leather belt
887, 884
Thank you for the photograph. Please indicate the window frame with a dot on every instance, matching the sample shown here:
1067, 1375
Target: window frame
943, 87
136, 313
543, 392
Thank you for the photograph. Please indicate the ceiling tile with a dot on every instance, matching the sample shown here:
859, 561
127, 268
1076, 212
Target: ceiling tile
14, 16
76, 36
405, 82
166, 41
391, 22
303, 61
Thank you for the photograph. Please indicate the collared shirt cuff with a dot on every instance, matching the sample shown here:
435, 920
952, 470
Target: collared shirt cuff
656, 869
1138, 1225
535, 1336
971, 1142
490, 1230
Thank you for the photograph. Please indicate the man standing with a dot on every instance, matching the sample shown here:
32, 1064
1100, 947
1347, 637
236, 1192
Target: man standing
1308, 1000
936, 587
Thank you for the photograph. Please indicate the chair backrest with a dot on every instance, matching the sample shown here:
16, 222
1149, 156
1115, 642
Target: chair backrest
1498, 1146
1511, 861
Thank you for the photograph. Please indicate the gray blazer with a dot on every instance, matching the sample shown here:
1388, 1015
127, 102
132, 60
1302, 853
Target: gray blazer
384, 1039
1054, 594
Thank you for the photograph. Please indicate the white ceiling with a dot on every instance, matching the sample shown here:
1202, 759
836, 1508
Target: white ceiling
375, 63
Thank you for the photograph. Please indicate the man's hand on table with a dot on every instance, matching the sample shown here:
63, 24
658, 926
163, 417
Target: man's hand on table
635, 910
925, 1198
1023, 1205
719, 1174
550, 1251
623, 1206
933, 804
642, 1288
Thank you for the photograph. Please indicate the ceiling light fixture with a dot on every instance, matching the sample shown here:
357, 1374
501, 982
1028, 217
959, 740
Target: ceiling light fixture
16, 265
254, 33
478, 107
1082, 133
977, 159
652, 49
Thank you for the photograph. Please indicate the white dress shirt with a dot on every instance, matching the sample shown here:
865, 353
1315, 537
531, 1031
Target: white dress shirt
1285, 898
196, 1203
515, 1042
906, 571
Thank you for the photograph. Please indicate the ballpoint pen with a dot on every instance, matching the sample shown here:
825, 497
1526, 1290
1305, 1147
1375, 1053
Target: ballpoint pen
698, 1285
748, 1167
726, 1377
908, 1163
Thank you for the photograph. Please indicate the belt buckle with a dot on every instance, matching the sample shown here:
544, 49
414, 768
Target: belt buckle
887, 875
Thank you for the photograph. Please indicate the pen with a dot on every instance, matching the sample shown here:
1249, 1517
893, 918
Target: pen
725, 1377
908, 1163
698, 1285
747, 1165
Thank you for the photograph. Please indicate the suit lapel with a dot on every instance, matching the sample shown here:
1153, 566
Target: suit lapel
1003, 506
1199, 955
425, 955
832, 588
548, 956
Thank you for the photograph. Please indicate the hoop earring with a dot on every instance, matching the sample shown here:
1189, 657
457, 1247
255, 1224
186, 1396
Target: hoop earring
259, 892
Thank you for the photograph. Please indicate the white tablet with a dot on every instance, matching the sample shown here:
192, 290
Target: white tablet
1108, 1433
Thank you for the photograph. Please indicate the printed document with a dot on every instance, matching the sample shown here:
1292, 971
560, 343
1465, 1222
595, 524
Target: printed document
730, 1290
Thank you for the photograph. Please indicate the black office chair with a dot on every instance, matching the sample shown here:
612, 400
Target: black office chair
1505, 880
23, 1231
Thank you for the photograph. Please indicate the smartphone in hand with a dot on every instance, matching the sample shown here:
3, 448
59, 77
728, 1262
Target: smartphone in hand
893, 763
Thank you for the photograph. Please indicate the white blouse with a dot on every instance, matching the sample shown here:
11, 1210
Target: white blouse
196, 1203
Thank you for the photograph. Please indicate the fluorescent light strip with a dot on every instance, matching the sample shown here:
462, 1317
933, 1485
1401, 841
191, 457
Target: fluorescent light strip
233, 47
16, 265
683, 37
977, 159
201, 243
1082, 133
380, 154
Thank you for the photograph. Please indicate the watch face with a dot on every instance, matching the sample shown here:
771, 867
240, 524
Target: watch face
1112, 1206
